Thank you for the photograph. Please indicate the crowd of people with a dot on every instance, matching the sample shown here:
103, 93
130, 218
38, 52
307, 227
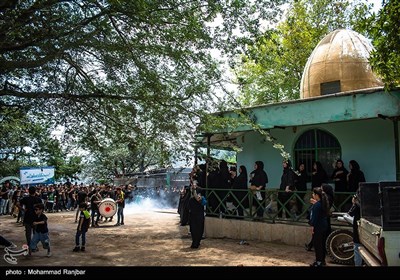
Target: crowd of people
232, 188
29, 205
55, 197
229, 187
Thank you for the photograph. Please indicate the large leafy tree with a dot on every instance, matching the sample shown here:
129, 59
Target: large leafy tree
384, 30
125, 154
16, 133
29, 141
139, 70
272, 68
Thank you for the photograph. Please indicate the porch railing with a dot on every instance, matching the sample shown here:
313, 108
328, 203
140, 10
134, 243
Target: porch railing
231, 203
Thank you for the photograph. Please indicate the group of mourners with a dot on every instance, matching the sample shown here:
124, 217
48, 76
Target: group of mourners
31, 209
224, 180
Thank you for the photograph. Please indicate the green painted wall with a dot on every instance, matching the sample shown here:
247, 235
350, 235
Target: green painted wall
365, 104
369, 142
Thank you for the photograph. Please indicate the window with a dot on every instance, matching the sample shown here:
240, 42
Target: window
330, 87
317, 145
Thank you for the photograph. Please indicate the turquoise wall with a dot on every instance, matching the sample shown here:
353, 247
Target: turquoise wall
369, 142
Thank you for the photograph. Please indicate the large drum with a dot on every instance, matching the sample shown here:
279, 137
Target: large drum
107, 207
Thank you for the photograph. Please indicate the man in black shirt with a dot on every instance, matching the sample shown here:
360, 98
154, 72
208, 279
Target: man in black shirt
27, 203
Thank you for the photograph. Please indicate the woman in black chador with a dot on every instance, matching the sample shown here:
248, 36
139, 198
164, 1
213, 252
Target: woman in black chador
240, 184
183, 206
286, 188
224, 184
300, 182
339, 176
355, 176
258, 181
196, 217
319, 175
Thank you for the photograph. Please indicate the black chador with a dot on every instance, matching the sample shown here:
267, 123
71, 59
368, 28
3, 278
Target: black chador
196, 220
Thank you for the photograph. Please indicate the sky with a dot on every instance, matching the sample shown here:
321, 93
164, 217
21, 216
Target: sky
377, 4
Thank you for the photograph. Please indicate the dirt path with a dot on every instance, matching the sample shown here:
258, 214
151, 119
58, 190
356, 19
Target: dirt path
148, 238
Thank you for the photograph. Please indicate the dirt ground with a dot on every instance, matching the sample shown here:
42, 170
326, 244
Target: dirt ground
148, 238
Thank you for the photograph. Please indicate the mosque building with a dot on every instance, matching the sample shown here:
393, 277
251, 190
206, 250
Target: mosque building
343, 112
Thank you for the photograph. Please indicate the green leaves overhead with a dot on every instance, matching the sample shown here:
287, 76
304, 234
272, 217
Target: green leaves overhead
138, 69
272, 68
385, 32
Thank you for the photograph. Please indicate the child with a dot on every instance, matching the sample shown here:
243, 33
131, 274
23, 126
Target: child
83, 226
319, 222
40, 230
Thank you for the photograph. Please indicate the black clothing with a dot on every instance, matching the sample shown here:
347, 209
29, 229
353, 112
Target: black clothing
183, 207
28, 202
259, 178
42, 228
319, 222
4, 192
224, 183
201, 176
301, 181
213, 201
82, 195
196, 210
5, 242
240, 183
356, 214
85, 217
339, 176
287, 179
93, 205
301, 187
355, 178
319, 176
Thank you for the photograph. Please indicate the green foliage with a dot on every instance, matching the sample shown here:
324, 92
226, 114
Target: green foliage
17, 132
239, 119
272, 68
385, 33
143, 70
69, 168
9, 168
27, 141
126, 155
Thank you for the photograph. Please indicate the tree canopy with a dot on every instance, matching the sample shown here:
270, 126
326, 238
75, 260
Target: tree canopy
128, 81
271, 69
114, 73
385, 33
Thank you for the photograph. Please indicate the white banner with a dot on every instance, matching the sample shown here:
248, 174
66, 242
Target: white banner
37, 175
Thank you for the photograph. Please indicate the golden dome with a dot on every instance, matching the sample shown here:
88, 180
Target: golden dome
338, 63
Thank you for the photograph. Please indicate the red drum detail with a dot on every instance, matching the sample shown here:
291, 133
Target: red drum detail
108, 207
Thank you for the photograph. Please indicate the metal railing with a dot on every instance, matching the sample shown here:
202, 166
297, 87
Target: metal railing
276, 205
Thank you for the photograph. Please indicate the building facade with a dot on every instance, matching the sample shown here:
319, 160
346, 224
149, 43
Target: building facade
344, 112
